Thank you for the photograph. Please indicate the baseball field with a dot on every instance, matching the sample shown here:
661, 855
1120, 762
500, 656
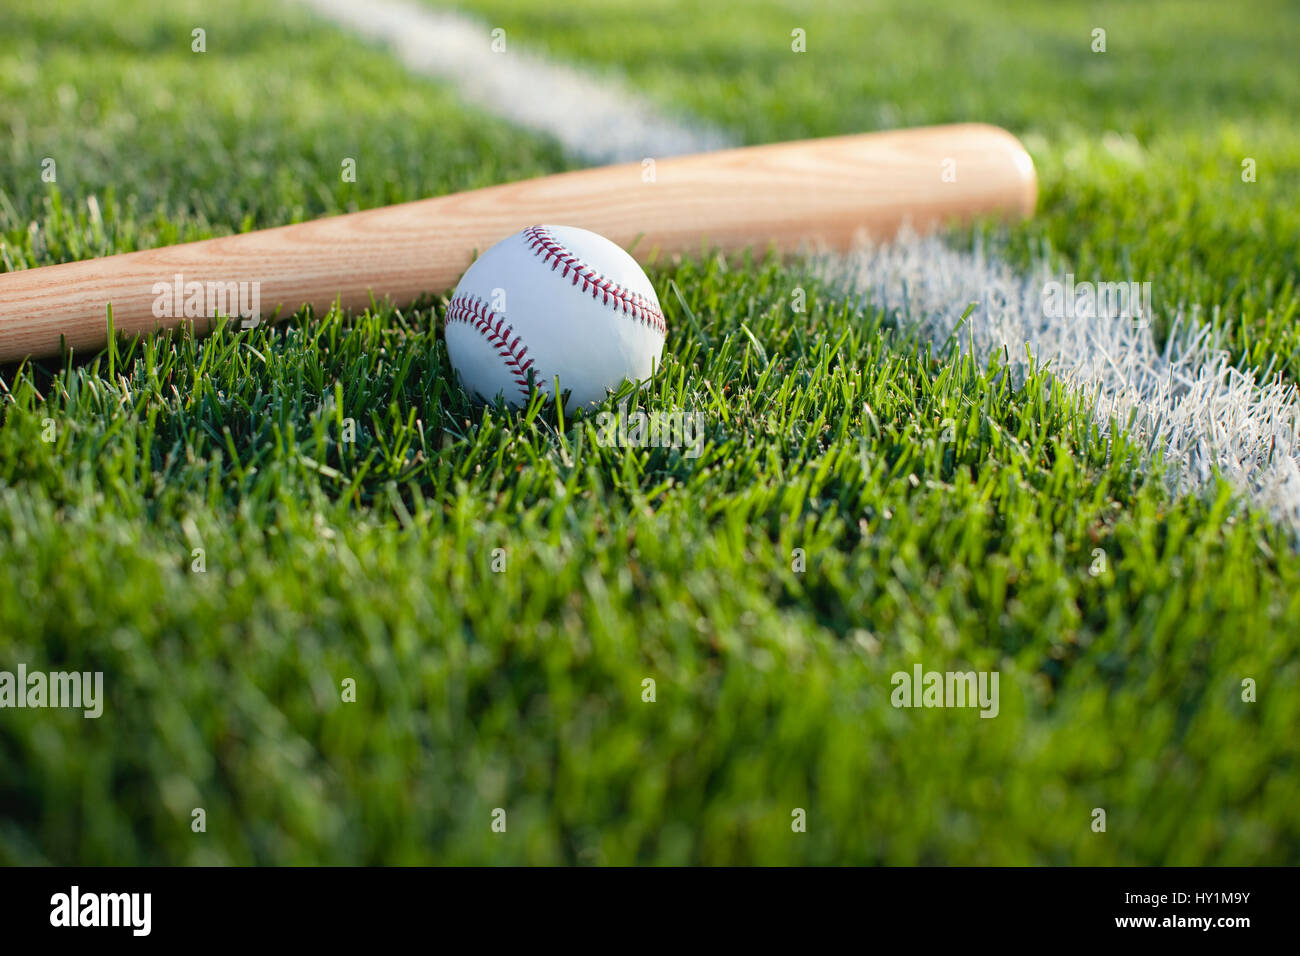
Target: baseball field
342, 613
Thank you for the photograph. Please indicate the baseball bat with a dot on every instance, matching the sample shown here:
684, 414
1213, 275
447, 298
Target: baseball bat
820, 193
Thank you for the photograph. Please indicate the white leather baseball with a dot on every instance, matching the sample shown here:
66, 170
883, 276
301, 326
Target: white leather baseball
554, 301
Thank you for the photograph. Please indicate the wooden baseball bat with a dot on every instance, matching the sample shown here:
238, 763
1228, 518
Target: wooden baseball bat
820, 193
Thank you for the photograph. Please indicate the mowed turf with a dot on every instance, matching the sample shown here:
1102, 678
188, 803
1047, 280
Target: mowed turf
947, 516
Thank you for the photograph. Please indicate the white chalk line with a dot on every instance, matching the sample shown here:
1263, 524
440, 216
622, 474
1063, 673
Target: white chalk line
1188, 401
596, 118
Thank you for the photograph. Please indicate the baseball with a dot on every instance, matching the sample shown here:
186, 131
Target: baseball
548, 303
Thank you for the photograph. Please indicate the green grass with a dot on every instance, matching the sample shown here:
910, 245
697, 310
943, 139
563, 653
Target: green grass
177, 145
523, 689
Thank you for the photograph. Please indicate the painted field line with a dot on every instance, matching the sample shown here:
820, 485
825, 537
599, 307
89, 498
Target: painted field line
596, 118
1186, 400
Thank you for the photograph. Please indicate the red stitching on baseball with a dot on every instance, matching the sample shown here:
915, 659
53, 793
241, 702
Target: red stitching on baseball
472, 311
549, 248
